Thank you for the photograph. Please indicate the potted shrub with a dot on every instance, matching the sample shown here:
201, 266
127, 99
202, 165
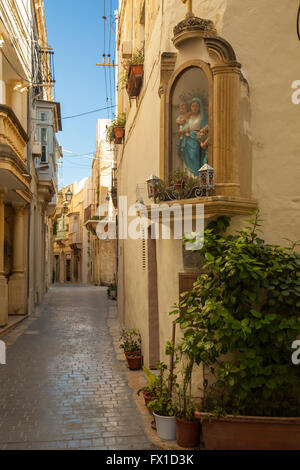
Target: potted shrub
187, 426
112, 290
149, 390
133, 77
131, 344
115, 131
243, 314
162, 405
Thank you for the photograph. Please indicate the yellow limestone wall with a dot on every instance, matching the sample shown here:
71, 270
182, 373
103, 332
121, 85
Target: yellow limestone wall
263, 35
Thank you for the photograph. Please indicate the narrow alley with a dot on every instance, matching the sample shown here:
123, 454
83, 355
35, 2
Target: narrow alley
62, 386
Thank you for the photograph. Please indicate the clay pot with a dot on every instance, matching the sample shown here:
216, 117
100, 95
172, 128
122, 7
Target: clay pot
135, 80
138, 352
134, 361
147, 398
250, 433
187, 432
119, 134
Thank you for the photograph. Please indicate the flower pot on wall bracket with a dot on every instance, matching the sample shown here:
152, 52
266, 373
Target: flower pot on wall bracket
134, 80
119, 134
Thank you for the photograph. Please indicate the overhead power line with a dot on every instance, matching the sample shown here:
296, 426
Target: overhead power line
89, 112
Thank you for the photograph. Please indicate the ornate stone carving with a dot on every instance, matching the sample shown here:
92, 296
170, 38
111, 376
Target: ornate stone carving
193, 23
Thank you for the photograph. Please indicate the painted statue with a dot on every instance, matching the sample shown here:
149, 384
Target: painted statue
193, 135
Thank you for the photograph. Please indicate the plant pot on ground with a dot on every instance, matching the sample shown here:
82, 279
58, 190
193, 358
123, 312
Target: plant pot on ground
149, 390
162, 406
243, 315
134, 361
130, 341
249, 432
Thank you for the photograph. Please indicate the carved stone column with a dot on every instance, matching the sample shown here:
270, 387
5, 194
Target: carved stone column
3, 281
225, 140
17, 297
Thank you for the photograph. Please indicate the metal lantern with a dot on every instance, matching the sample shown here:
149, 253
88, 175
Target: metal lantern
207, 178
152, 184
69, 195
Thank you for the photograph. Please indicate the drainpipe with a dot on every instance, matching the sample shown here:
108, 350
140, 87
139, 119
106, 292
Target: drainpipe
29, 95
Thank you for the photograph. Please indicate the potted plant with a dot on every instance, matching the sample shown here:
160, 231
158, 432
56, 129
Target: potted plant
187, 426
115, 131
243, 314
131, 344
162, 405
178, 179
133, 77
112, 291
149, 390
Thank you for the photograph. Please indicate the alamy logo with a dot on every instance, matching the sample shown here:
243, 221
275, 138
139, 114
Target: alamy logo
296, 354
2, 353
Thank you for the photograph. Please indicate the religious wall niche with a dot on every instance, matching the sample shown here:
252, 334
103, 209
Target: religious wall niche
190, 121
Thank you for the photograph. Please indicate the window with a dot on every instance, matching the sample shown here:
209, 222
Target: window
44, 158
44, 116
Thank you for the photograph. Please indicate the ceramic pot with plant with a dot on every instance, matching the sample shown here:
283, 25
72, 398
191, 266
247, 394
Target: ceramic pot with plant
130, 342
162, 406
178, 179
149, 390
115, 131
133, 77
188, 428
134, 360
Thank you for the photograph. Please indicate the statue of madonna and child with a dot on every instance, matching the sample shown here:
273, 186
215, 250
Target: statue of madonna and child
193, 137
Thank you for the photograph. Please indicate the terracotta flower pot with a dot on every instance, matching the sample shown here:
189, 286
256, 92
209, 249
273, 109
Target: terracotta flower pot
147, 397
134, 80
250, 433
138, 352
187, 432
134, 361
119, 134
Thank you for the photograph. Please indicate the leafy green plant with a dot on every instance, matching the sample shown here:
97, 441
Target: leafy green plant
119, 120
240, 320
130, 340
111, 288
162, 403
136, 59
152, 382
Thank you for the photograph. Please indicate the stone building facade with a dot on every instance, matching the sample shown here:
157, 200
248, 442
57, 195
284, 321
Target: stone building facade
225, 58
29, 121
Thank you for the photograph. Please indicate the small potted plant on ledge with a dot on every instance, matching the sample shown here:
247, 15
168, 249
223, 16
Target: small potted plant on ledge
115, 131
131, 344
162, 405
133, 77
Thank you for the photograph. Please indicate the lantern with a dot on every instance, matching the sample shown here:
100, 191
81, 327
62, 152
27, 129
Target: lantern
152, 184
207, 178
69, 195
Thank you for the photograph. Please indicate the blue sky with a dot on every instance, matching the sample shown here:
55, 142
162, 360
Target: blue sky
76, 33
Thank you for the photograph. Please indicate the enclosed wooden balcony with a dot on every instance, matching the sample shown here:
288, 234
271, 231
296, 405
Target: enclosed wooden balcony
14, 174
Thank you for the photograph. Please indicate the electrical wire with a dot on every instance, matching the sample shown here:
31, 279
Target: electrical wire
89, 112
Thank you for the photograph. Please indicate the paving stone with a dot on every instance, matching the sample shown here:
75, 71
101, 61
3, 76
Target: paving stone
62, 386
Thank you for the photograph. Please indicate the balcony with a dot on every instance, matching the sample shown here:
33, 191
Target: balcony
13, 157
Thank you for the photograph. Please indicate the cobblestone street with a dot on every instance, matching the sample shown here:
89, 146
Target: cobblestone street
62, 386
